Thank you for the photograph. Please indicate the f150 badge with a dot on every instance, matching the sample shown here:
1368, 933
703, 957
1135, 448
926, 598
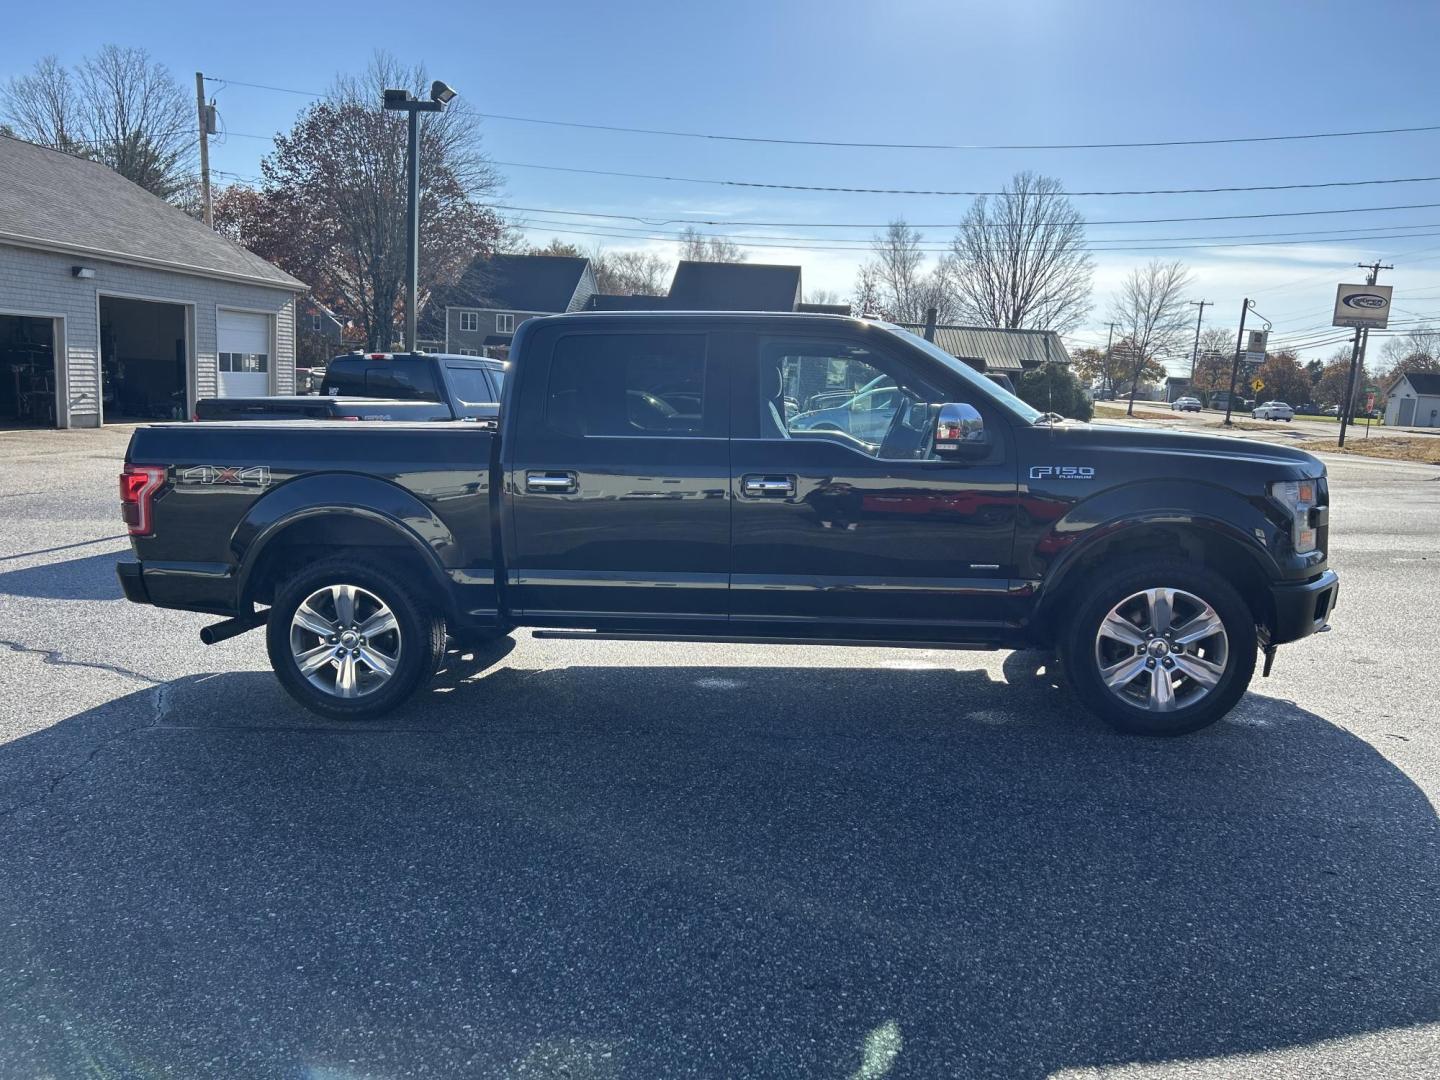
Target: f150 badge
1062, 472
240, 475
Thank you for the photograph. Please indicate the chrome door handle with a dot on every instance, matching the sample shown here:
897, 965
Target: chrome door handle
768, 486
551, 482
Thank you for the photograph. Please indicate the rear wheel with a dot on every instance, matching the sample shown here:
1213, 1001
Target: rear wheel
350, 640
1161, 648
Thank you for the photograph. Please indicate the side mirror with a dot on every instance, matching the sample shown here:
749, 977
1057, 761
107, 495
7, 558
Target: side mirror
960, 432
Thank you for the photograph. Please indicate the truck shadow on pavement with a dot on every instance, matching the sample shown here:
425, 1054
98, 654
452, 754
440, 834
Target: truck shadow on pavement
88, 578
718, 871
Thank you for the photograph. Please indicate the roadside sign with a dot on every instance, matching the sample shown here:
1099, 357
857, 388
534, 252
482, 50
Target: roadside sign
1363, 306
1256, 358
1259, 342
1258, 385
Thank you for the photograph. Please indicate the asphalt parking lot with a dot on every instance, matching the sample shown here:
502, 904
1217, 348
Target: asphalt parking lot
608, 860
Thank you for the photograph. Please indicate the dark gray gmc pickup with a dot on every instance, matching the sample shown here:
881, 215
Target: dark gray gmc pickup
739, 477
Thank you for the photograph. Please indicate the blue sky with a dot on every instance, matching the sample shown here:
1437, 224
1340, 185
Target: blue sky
898, 71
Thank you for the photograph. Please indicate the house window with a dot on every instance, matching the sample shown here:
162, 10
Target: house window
315, 323
468, 352
470, 320
504, 324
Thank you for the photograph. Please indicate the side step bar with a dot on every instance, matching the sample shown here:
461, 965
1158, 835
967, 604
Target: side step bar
725, 639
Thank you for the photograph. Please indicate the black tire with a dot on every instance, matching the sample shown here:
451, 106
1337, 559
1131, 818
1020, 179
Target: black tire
421, 638
1081, 662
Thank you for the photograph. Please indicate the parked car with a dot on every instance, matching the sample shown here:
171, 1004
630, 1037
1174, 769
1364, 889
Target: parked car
381, 386
1331, 410
1309, 408
1273, 410
1185, 404
608, 506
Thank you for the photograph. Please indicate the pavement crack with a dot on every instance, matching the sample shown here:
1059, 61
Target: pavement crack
58, 658
159, 703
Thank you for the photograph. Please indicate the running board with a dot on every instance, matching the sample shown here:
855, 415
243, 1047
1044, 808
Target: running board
713, 639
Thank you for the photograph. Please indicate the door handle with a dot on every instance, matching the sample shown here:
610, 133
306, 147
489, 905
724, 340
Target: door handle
768, 487
552, 483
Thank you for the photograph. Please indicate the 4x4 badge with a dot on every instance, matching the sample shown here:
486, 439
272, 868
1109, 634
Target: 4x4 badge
242, 475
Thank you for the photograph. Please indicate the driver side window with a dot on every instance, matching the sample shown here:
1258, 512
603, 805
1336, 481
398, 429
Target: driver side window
847, 394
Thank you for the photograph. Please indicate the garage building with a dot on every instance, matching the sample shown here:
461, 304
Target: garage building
1414, 400
117, 307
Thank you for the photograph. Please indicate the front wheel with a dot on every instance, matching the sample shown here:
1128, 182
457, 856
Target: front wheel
1161, 648
350, 640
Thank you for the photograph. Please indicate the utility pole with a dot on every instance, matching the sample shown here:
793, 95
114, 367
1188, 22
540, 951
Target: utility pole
206, 116
1357, 350
1235, 363
1195, 351
1105, 375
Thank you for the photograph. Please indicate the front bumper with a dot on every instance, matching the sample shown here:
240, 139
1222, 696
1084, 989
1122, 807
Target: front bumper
1303, 609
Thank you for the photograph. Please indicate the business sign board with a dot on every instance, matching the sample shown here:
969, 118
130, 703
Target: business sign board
1365, 306
1259, 341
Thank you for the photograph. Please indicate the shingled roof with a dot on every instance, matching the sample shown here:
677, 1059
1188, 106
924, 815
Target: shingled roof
707, 286
1424, 382
55, 201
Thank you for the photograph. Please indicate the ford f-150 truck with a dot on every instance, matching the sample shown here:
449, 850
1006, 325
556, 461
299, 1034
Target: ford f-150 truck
381, 386
646, 482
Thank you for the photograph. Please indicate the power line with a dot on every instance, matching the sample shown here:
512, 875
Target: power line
566, 228
776, 140
941, 192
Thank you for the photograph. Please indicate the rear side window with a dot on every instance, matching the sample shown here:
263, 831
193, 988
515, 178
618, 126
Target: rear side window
344, 378
469, 385
406, 380
645, 385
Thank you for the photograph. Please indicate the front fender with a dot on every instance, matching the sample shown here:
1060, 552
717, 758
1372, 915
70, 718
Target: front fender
1184, 506
342, 495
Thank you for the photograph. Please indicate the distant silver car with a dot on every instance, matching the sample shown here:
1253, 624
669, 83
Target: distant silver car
1273, 410
1185, 404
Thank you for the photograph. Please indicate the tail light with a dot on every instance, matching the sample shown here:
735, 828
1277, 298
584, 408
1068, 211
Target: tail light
138, 484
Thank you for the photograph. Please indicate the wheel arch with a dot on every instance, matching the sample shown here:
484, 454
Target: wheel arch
320, 516
1216, 544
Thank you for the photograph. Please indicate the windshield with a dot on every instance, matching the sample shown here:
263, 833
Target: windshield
987, 387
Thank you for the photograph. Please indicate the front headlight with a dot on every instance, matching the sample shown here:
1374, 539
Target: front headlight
1298, 497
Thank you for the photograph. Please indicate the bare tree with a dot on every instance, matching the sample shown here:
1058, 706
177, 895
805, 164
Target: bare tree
1415, 350
903, 288
695, 246
1020, 261
630, 273
823, 296
119, 107
866, 299
1150, 314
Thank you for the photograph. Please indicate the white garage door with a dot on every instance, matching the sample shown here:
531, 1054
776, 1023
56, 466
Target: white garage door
245, 358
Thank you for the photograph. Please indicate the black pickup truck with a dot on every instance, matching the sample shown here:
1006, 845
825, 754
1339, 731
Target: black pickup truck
739, 478
381, 386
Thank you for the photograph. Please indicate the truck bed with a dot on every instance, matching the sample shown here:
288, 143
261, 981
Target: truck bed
235, 490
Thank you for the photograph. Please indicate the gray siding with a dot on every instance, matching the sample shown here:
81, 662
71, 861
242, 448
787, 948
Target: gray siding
475, 339
40, 283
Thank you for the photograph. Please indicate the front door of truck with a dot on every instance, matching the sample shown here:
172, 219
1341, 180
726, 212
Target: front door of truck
845, 522
619, 479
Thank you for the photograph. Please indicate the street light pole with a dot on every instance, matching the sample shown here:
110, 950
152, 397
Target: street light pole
404, 101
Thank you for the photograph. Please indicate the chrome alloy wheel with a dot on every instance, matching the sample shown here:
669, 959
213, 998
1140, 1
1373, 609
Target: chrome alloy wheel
345, 641
1161, 649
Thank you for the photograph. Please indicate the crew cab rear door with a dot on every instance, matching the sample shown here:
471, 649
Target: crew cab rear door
618, 472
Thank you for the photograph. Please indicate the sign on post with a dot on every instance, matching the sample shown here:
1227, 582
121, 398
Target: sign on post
1258, 385
1365, 306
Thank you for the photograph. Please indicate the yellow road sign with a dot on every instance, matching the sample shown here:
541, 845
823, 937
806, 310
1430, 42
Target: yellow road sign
1258, 385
